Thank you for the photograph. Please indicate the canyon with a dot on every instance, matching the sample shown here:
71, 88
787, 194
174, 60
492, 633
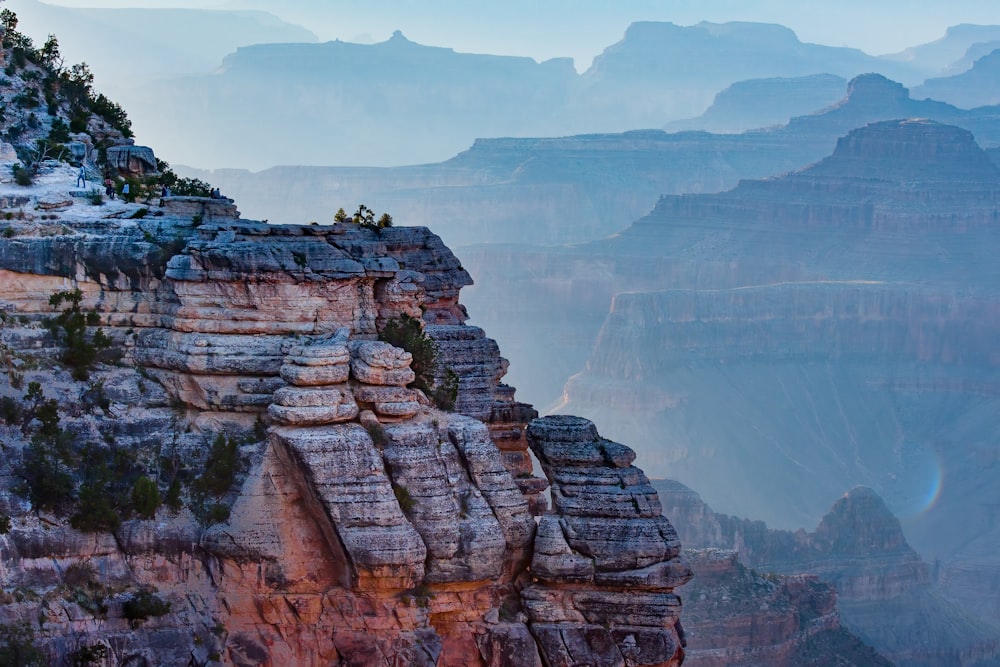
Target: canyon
802, 334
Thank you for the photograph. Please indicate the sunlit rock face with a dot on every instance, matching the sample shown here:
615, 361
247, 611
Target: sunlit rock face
365, 525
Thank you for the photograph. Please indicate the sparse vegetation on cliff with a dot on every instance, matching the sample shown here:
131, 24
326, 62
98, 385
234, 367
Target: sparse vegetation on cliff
365, 217
70, 326
408, 333
220, 471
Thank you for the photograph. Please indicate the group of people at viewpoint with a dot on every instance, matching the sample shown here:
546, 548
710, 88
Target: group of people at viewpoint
109, 188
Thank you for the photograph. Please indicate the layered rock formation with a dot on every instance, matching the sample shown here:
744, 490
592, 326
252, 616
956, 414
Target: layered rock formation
810, 332
365, 526
607, 561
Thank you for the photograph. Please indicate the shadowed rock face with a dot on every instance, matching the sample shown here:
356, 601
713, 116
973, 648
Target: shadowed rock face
606, 561
883, 587
735, 616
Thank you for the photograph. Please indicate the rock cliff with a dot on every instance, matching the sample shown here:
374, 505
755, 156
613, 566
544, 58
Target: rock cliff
359, 524
736, 616
757, 103
973, 88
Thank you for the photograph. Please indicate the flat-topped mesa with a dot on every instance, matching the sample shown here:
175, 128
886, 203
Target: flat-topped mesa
889, 177
606, 561
909, 149
874, 91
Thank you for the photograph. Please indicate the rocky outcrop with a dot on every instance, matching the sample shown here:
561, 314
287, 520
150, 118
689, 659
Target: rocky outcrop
358, 523
606, 561
132, 160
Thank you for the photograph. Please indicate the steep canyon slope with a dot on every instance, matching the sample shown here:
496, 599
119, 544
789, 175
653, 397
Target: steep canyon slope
365, 526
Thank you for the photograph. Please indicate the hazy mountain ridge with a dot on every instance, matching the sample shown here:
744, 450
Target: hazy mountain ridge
758, 103
657, 72
943, 53
977, 87
666, 71
578, 188
149, 37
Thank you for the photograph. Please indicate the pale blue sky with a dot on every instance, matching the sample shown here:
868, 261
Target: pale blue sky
583, 28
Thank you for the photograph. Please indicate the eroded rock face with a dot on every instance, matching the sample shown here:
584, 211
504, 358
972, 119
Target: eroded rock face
606, 561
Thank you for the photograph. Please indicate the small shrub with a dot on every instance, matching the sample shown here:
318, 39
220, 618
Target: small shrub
59, 133
10, 410
408, 333
80, 353
217, 513
8, 232
403, 497
445, 394
48, 485
80, 575
143, 605
173, 498
17, 646
422, 595
95, 197
145, 497
96, 512
377, 434
139, 214
220, 467
90, 654
23, 176
4, 524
